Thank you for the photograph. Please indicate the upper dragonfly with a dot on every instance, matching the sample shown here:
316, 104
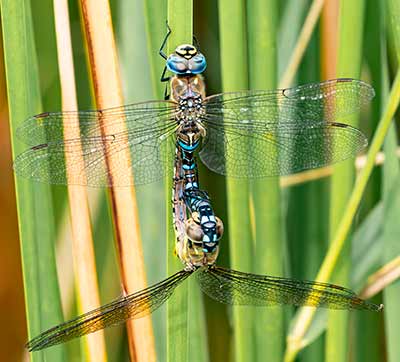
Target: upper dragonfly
246, 134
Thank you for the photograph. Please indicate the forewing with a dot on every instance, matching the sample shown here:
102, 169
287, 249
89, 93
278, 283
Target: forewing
328, 100
233, 287
136, 119
135, 305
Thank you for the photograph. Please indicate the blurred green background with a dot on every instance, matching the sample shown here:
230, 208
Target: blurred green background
357, 39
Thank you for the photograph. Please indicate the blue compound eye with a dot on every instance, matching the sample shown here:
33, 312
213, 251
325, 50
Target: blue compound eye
176, 64
197, 64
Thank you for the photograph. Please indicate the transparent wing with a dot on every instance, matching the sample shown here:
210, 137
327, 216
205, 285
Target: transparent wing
234, 287
135, 305
270, 133
145, 140
279, 149
329, 100
136, 119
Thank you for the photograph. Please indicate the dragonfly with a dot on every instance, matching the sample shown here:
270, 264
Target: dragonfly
289, 130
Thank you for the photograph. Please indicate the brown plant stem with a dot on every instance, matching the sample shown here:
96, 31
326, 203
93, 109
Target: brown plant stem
108, 93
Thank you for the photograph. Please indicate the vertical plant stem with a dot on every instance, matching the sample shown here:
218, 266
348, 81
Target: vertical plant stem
180, 20
155, 14
391, 197
391, 232
393, 12
82, 240
105, 73
351, 25
268, 326
34, 202
302, 42
367, 327
308, 209
329, 38
234, 77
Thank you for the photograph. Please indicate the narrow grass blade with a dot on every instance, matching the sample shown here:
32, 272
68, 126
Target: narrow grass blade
391, 198
197, 337
367, 247
307, 218
84, 258
107, 85
301, 44
329, 38
390, 237
234, 77
34, 203
367, 327
351, 22
290, 24
15, 314
155, 15
262, 59
393, 12
180, 20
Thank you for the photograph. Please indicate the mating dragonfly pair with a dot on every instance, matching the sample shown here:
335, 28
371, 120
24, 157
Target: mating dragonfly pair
247, 134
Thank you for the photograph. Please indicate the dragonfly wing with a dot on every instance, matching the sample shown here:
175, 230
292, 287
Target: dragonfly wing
135, 118
92, 160
255, 150
327, 100
134, 305
234, 287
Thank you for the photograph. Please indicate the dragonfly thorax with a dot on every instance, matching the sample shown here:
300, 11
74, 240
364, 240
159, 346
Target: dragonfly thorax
190, 112
183, 88
189, 94
191, 107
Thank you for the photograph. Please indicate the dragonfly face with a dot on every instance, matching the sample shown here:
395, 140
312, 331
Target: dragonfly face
186, 60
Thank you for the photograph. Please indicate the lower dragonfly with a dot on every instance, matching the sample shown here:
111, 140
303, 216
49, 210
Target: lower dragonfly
224, 285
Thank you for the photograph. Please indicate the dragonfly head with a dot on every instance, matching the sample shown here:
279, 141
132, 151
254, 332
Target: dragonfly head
186, 60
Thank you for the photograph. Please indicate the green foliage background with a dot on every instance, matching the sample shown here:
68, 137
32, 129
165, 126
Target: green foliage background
280, 231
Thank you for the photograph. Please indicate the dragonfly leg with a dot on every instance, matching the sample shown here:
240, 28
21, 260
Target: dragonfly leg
161, 51
165, 79
196, 43
166, 94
